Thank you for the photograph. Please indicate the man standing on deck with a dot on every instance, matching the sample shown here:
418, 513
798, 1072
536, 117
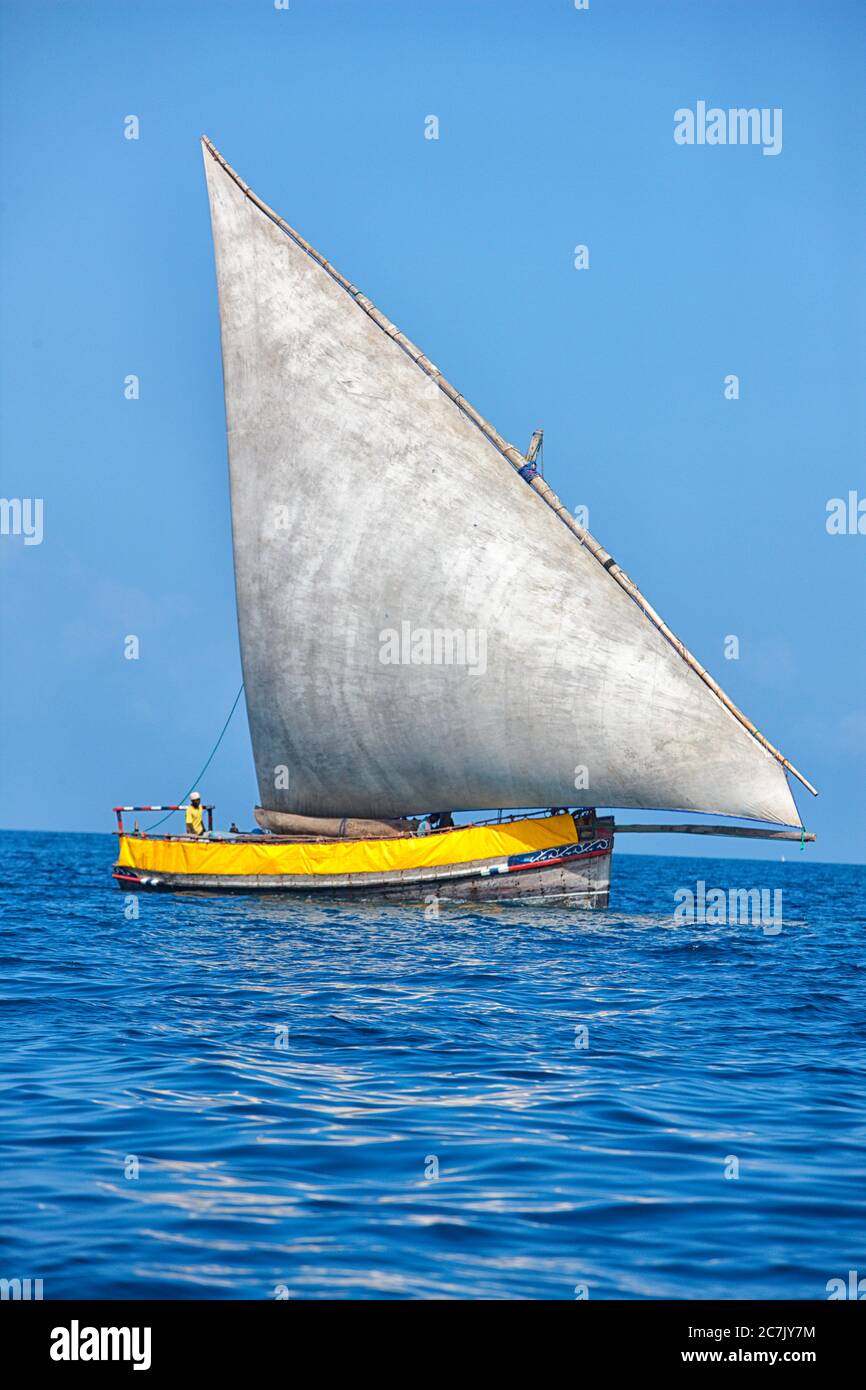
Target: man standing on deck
194, 823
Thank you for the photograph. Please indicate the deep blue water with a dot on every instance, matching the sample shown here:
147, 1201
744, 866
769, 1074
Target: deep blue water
413, 1039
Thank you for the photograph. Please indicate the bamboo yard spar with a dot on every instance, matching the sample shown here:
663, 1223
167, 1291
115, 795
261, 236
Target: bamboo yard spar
422, 622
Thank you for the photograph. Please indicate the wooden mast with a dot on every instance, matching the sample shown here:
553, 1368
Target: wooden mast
534, 446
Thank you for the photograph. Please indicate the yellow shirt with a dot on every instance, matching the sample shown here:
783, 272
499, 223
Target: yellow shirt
193, 820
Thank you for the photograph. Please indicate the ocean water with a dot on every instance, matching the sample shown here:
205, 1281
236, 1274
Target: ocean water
433, 1123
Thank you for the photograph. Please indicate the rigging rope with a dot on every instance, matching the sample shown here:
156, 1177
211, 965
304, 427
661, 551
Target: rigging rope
148, 828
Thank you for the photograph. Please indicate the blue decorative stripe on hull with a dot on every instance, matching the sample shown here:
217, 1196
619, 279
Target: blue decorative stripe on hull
556, 854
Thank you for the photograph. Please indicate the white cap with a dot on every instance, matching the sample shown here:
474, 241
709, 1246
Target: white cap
195, 796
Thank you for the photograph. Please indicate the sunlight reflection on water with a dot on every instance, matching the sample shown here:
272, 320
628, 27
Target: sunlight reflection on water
415, 1045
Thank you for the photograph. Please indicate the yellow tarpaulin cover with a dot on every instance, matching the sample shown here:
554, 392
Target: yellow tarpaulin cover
345, 856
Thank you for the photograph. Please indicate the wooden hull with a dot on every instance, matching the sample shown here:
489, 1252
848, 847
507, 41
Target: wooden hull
573, 875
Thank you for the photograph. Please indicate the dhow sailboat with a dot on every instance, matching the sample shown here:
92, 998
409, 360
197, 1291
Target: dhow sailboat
424, 625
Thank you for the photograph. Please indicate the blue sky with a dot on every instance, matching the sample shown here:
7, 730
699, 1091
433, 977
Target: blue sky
556, 129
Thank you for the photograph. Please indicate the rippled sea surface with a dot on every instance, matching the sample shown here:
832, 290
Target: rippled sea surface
430, 1125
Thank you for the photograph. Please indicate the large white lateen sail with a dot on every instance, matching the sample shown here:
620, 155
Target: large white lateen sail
418, 627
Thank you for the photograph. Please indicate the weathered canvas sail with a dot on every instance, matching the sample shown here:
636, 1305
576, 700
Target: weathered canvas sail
418, 627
